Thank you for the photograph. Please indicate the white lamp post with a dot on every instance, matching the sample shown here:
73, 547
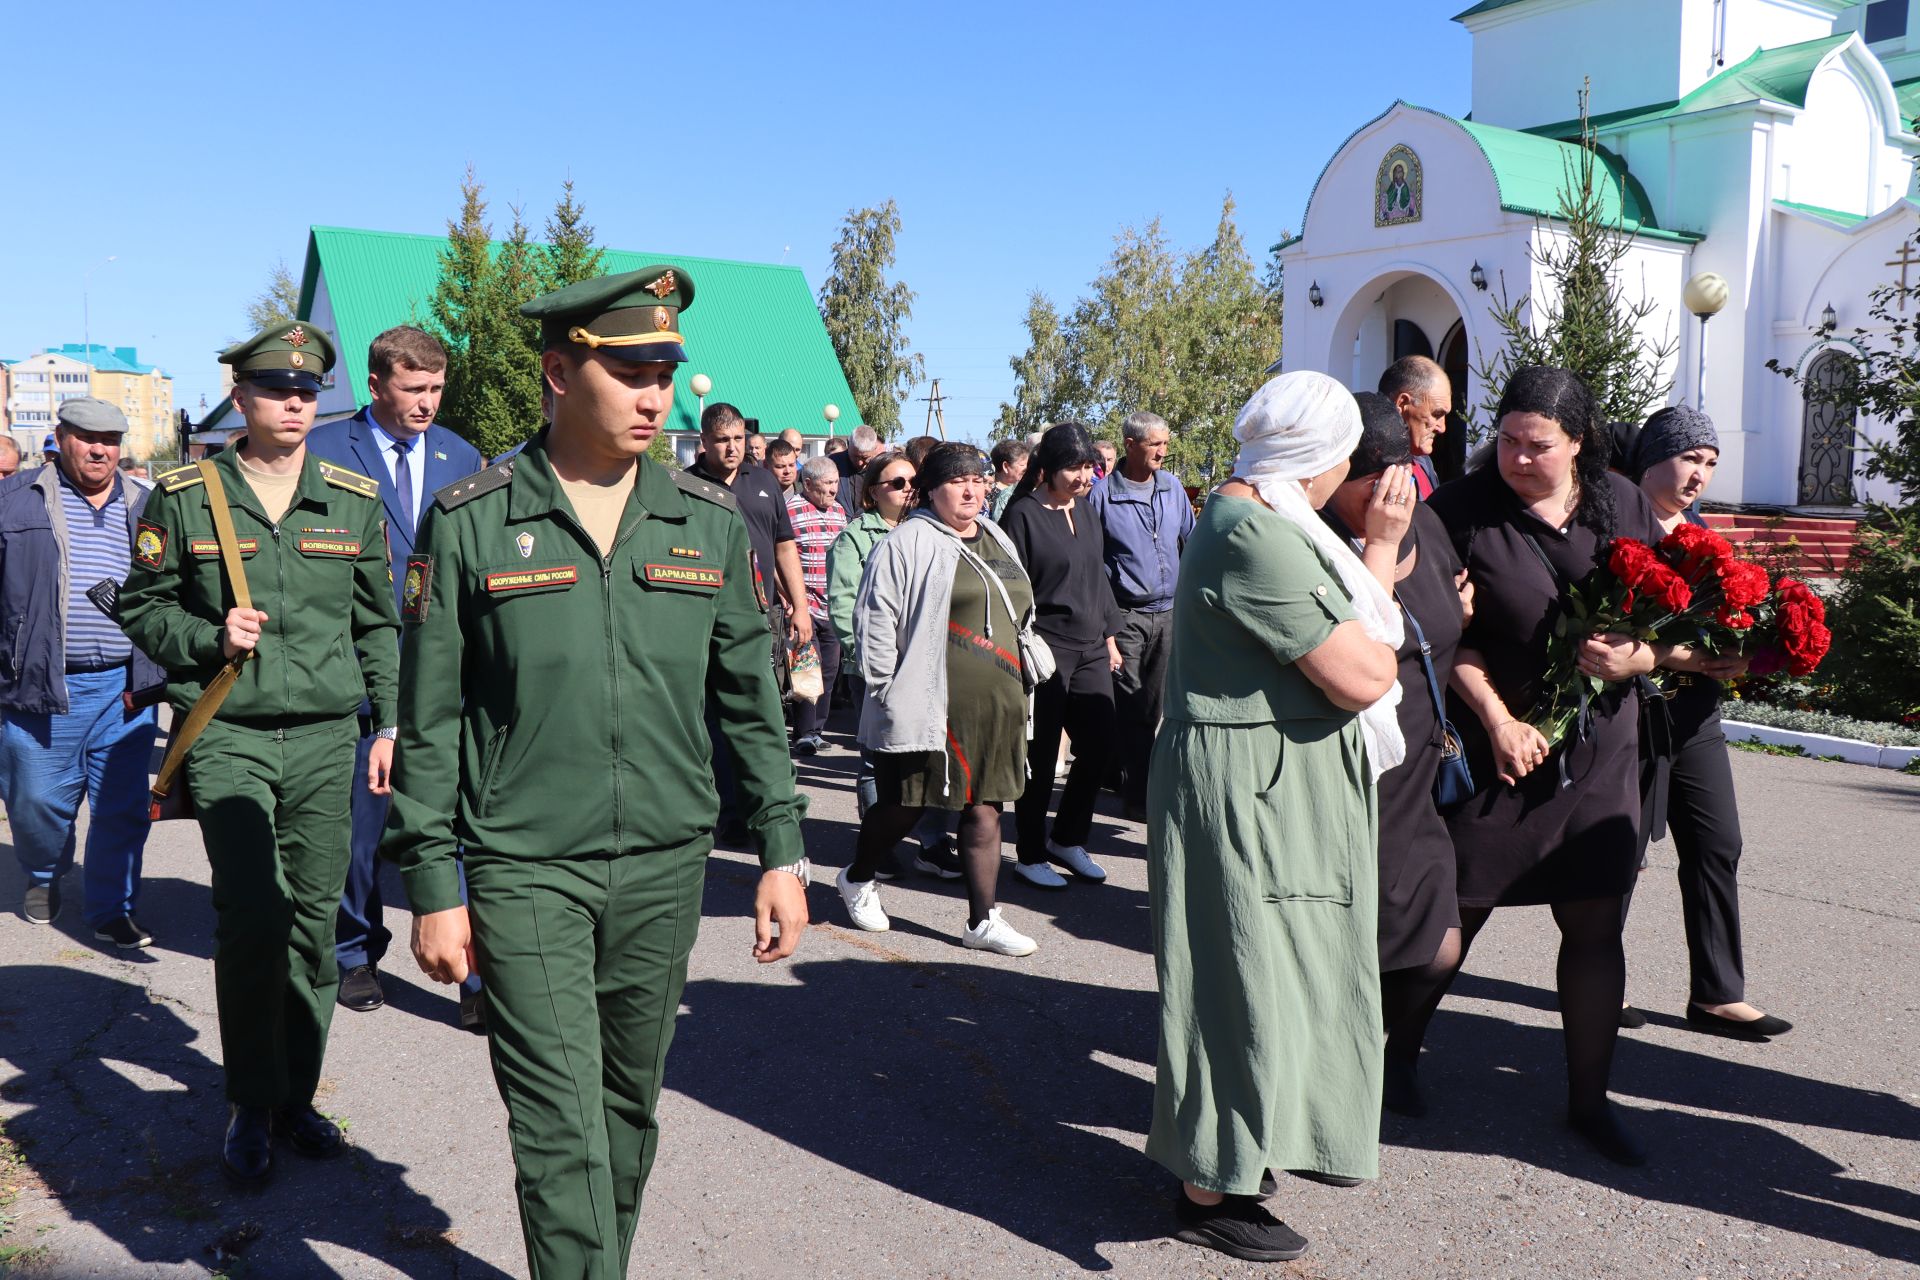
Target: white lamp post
1705, 295
701, 384
832, 414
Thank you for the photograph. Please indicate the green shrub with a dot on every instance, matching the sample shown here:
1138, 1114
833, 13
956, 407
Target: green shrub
1773, 717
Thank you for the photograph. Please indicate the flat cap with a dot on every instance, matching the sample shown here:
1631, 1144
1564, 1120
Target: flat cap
85, 413
634, 315
289, 354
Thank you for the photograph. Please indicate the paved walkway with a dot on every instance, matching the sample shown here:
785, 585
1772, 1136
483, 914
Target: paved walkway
891, 1105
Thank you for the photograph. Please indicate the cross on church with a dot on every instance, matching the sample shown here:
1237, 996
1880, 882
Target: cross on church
1904, 261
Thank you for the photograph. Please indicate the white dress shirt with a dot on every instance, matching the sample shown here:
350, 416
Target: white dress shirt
416, 463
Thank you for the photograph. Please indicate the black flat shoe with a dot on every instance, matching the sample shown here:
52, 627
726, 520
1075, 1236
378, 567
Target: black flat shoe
360, 989
1326, 1179
1631, 1019
1759, 1030
1604, 1132
309, 1132
247, 1154
1237, 1227
1400, 1090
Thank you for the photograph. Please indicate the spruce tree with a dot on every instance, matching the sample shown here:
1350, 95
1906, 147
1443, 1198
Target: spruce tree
570, 255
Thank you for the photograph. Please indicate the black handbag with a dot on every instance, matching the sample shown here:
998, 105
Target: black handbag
1453, 784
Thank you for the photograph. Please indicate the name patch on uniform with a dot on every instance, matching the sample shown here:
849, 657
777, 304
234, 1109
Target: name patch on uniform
207, 547
685, 553
325, 546
149, 544
684, 575
414, 592
527, 579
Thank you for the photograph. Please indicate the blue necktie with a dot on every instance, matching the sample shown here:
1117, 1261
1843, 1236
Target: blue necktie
403, 480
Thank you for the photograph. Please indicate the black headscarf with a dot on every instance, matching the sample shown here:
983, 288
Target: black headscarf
945, 462
1384, 438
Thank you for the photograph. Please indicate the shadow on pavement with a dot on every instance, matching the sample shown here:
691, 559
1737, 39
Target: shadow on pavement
123, 1121
1498, 1088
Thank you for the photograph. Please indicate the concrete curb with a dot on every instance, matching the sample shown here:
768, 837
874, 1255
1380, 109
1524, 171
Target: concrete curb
1851, 750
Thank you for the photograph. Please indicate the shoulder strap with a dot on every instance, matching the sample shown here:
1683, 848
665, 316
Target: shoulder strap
1426, 662
1553, 572
229, 540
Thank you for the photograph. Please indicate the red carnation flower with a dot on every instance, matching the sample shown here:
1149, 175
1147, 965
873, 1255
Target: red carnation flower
1695, 550
1743, 584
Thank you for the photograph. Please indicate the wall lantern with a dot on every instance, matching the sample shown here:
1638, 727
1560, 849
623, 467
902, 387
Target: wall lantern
1314, 295
1829, 319
1479, 277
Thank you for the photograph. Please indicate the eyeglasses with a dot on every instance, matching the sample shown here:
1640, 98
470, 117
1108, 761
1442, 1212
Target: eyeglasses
896, 484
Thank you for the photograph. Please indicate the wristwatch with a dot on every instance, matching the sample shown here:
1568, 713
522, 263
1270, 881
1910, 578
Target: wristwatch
803, 869
387, 734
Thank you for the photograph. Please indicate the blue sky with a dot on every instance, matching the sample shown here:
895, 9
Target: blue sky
1017, 139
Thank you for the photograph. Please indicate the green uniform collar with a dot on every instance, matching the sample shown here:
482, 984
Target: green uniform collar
312, 490
536, 491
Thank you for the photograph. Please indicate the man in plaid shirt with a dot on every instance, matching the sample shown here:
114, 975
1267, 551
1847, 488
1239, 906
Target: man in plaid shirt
817, 520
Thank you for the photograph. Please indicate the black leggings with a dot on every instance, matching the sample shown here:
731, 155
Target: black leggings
886, 825
1592, 979
1079, 701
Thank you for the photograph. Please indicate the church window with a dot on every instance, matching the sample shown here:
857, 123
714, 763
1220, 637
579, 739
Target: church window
1886, 20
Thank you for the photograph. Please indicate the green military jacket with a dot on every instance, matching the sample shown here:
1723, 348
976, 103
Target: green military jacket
553, 699
321, 575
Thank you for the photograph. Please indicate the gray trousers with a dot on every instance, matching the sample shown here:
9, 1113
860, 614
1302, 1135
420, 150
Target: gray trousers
1139, 687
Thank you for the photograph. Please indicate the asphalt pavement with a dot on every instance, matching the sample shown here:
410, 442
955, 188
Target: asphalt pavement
892, 1105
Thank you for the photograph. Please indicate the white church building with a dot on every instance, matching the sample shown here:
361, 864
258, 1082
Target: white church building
1769, 142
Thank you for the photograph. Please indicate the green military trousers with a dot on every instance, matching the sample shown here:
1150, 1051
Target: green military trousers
275, 809
584, 960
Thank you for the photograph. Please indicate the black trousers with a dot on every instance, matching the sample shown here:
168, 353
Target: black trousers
1704, 820
1079, 701
1139, 689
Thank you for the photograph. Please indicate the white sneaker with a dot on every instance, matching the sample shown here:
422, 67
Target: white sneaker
995, 934
863, 903
1039, 875
1075, 859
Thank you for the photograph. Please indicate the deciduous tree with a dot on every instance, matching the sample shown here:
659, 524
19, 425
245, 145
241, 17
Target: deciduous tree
866, 315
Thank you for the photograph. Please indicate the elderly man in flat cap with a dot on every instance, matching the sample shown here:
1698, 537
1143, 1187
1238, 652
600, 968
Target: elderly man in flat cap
569, 614
77, 695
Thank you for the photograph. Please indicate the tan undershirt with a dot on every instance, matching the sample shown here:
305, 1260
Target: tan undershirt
275, 492
599, 507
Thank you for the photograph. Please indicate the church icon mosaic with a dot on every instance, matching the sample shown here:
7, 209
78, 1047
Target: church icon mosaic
1397, 189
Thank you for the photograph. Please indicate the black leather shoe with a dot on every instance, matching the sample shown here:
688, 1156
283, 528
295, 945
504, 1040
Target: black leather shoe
309, 1132
473, 1012
1631, 1019
247, 1154
1608, 1136
1326, 1179
360, 989
1760, 1030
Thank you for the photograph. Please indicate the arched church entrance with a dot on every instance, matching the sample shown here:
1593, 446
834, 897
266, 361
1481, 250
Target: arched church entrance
1827, 430
1405, 313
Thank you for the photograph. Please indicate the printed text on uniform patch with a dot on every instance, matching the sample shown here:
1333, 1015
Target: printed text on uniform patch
686, 575
526, 579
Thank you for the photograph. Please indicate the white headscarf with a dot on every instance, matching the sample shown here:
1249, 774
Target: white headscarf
1297, 426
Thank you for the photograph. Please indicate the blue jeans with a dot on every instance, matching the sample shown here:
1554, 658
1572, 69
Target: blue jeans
98, 750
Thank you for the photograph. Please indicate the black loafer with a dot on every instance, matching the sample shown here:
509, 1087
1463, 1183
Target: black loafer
360, 989
247, 1153
1603, 1130
1631, 1019
1326, 1179
1760, 1030
473, 1012
1237, 1227
309, 1132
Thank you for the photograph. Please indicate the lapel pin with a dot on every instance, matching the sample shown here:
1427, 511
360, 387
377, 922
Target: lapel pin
525, 543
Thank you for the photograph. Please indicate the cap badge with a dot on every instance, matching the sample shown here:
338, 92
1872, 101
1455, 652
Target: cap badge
525, 543
661, 320
665, 285
296, 359
296, 337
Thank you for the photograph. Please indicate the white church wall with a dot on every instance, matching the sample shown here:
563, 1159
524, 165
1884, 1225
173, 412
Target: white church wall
1528, 61
1830, 154
1759, 24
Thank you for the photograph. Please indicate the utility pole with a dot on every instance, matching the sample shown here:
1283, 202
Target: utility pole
935, 413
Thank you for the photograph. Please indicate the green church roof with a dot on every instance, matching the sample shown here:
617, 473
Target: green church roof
1485, 6
755, 329
1832, 215
1908, 93
1767, 75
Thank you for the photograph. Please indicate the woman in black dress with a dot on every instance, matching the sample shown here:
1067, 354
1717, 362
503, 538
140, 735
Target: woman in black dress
1407, 547
1561, 826
1062, 546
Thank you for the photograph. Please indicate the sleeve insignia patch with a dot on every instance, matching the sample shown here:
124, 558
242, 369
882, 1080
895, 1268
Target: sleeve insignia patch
686, 575
416, 590
505, 580
150, 544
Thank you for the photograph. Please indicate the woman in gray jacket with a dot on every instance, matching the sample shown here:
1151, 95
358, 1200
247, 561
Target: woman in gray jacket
937, 625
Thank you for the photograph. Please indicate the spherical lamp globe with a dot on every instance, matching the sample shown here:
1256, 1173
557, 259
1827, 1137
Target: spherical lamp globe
700, 383
1706, 294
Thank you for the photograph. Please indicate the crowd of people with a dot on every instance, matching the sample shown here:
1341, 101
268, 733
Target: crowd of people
1316, 687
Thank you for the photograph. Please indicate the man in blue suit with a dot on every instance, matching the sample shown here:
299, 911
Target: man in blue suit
396, 441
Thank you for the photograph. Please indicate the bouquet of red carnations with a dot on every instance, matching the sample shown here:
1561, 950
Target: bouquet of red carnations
1790, 632
1726, 590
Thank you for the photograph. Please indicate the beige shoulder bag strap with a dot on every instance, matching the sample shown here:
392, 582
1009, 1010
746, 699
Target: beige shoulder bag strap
215, 693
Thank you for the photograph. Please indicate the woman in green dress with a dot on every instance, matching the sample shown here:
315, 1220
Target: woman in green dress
1280, 715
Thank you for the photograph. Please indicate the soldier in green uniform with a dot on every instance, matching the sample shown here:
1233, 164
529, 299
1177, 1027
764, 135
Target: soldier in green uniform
271, 776
568, 614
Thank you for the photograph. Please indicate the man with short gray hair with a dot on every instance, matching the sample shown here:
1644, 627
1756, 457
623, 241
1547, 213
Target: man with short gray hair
1147, 518
863, 446
77, 695
9, 455
1423, 395
818, 518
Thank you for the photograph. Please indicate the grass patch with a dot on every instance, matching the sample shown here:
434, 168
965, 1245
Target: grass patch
1769, 748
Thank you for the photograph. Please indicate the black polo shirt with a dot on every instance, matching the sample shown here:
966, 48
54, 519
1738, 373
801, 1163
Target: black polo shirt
764, 509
